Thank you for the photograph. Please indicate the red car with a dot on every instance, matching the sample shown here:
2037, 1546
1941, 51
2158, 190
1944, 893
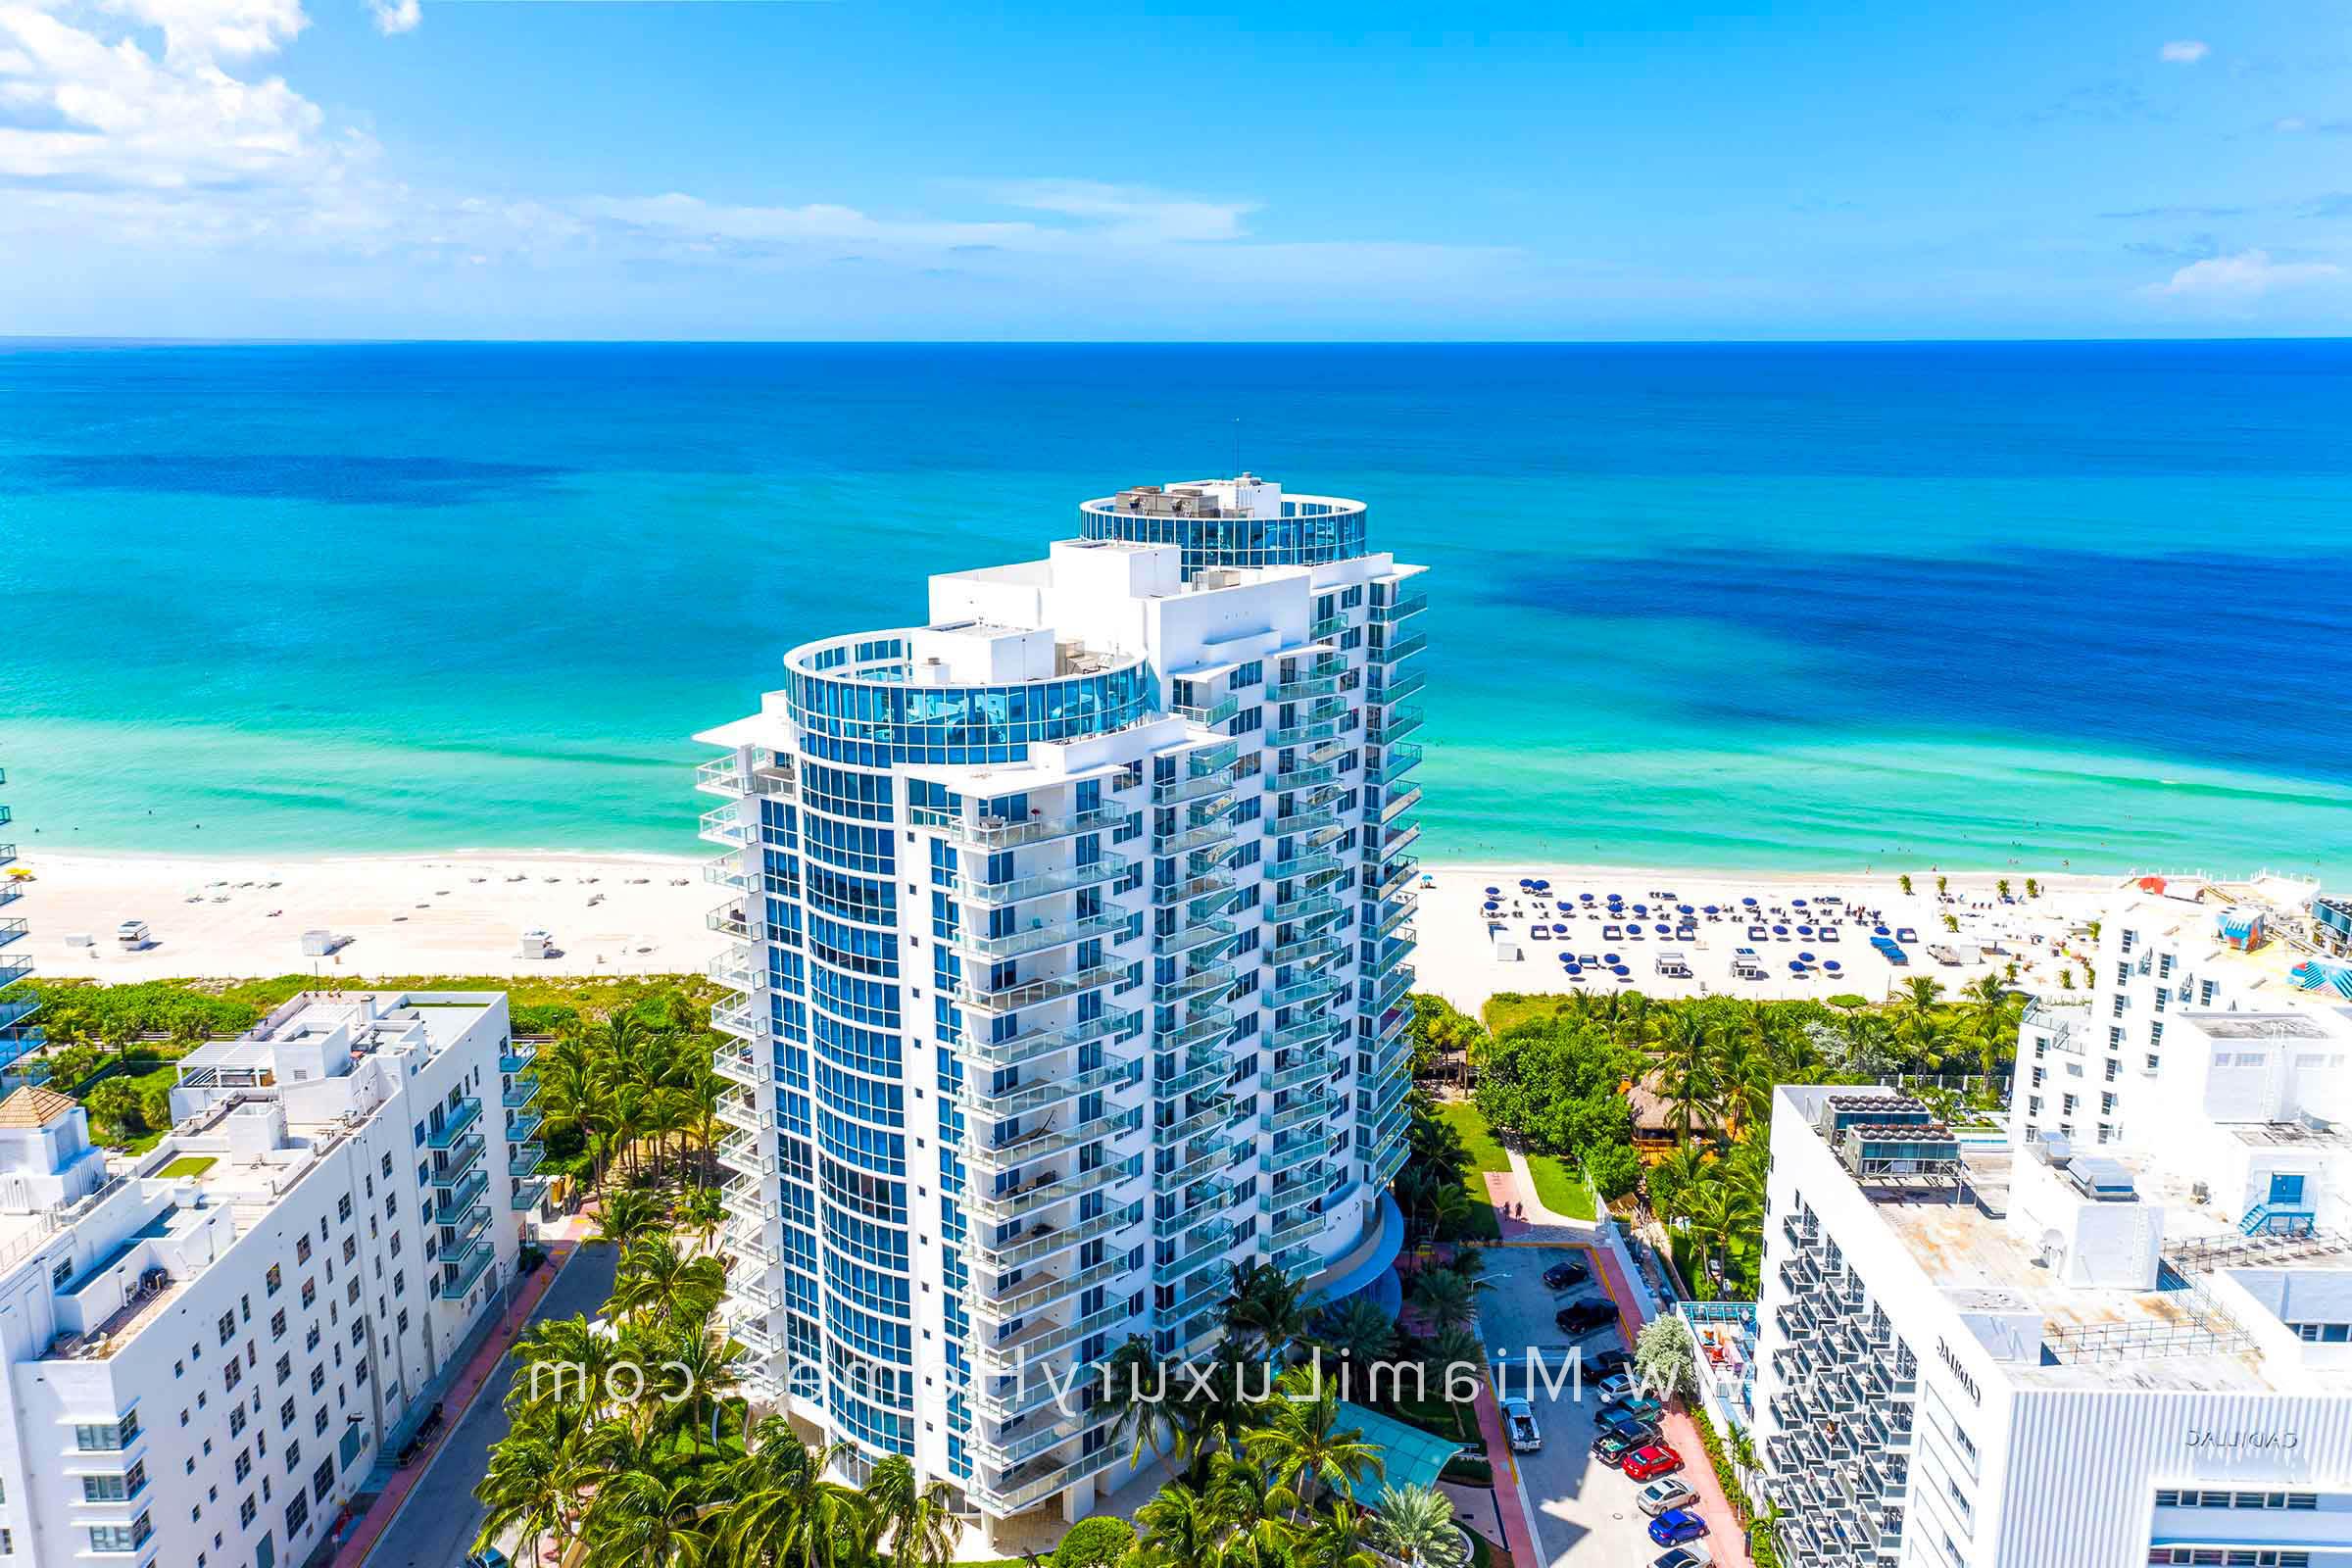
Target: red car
1648, 1463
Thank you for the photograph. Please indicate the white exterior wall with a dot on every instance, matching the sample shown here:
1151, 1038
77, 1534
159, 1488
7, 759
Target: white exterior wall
1164, 1137
336, 1227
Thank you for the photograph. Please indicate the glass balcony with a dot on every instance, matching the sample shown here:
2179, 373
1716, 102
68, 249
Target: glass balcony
1304, 1113
753, 1154
1198, 934
524, 1158
1037, 1144
1201, 1207
1293, 779
1301, 733
736, 1018
1037, 1242
1023, 1488
1035, 1295
1400, 607
974, 991
1326, 627
1397, 762
731, 921
1306, 1151
1044, 884
466, 1112
728, 871
1194, 788
1398, 651
463, 1157
1400, 801
1031, 1044
1395, 726
1397, 689
1204, 1025
521, 1092
1215, 832
987, 832
1041, 937
1387, 991
1302, 865
464, 1228
770, 774
1306, 687
1398, 836
458, 1277
725, 826
1043, 1193
1309, 988
1211, 714
735, 970
457, 1199
1306, 821
1168, 1134
738, 1065
1213, 979
1304, 950
1205, 1075
1305, 1032
745, 1113
1034, 1339
516, 1055
1024, 1097
523, 1125
1207, 1160
1219, 881
1380, 1168
530, 1192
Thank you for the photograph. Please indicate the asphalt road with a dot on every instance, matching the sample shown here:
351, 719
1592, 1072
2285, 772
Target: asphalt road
437, 1524
1583, 1510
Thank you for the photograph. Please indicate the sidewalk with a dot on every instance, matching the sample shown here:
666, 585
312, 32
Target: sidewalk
1518, 1512
456, 1402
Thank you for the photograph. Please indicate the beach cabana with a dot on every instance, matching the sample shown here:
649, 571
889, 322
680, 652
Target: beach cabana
1671, 962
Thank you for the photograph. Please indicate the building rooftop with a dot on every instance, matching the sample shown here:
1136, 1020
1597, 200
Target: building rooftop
2176, 1335
34, 1105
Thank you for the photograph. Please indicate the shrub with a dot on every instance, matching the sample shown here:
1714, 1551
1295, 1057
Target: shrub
1615, 1169
1096, 1543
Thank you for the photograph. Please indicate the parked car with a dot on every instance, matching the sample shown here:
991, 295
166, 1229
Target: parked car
1526, 1435
1676, 1525
488, 1557
1612, 1447
1660, 1495
1602, 1363
1651, 1463
1695, 1556
1637, 1408
1562, 1274
1617, 1386
1584, 1317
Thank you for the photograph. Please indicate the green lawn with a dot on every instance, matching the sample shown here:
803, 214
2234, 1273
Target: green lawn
1510, 1007
189, 1165
1560, 1189
1486, 1154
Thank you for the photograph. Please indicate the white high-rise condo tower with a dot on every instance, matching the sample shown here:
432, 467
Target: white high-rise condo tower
1071, 931
18, 1035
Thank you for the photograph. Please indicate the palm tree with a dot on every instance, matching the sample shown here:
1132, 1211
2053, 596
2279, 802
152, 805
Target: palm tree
786, 1514
1447, 1298
1357, 1333
1415, 1526
1258, 1508
1687, 1069
1306, 1446
1138, 1387
1264, 1304
627, 1215
1182, 1528
701, 1212
918, 1517
525, 1488
1673, 1178
1992, 1015
656, 1279
649, 1519
1347, 1538
1719, 1212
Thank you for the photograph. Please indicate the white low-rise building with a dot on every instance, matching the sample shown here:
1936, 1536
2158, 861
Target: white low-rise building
2122, 1337
210, 1345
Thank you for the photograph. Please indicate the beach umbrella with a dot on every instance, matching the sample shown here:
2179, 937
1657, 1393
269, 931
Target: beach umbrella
1879, 929
1804, 930
1685, 909
1780, 930
1586, 897
1620, 971
1561, 926
1800, 902
1543, 886
1494, 892
1711, 910
1662, 928
1609, 959
1807, 956
1830, 964
1796, 965
1750, 903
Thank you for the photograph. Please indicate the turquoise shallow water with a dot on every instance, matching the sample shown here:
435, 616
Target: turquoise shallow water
1770, 606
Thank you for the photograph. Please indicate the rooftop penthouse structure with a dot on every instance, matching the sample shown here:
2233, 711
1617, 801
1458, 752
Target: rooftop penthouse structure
210, 1345
1073, 935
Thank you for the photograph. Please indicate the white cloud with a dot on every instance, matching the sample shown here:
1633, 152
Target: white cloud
84, 106
2247, 274
395, 15
2185, 51
1129, 214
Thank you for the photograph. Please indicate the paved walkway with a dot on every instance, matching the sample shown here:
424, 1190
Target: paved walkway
455, 1403
1510, 1493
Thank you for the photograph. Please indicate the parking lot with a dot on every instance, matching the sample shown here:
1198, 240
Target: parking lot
1583, 1510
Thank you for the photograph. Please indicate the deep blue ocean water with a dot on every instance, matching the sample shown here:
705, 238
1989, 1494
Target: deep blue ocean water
1749, 606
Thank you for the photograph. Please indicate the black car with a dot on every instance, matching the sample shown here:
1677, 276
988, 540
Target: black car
1605, 1363
1583, 1317
1562, 1274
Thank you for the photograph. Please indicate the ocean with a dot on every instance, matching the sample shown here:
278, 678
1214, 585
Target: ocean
2048, 607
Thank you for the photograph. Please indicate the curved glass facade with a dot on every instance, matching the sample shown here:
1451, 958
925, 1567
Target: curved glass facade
869, 717
1310, 532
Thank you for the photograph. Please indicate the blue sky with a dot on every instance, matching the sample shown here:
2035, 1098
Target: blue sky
739, 168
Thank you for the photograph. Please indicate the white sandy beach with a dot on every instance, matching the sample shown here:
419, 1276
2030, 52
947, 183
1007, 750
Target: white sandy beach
427, 914
465, 913
1457, 957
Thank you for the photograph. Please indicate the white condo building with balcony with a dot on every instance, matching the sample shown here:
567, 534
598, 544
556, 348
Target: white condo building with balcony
210, 1345
2122, 1335
1071, 928
18, 1033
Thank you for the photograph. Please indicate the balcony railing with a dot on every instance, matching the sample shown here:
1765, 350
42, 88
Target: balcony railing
1387, 731
1399, 607
466, 1112
1010, 833
1211, 714
973, 992
1032, 1296
1041, 937
1037, 1144
1042, 884
524, 1158
1031, 1044
1045, 1193
453, 1203
1403, 648
1037, 1242
458, 1279
1197, 787
1023, 1098
520, 1092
